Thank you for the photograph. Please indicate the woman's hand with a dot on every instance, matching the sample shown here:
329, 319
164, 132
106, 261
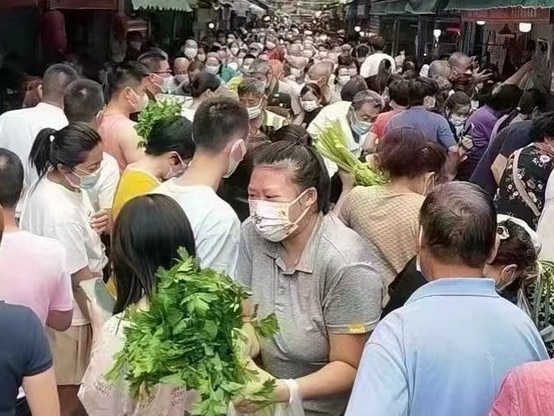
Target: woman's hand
281, 394
100, 221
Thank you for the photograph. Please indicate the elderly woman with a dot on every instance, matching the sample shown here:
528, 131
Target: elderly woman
263, 123
288, 260
387, 215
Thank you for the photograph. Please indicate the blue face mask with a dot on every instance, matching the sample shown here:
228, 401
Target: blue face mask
88, 180
358, 126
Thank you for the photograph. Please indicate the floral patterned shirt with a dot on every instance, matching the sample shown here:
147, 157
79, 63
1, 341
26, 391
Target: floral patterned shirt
535, 164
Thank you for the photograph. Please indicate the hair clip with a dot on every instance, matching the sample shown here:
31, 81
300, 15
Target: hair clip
503, 232
51, 138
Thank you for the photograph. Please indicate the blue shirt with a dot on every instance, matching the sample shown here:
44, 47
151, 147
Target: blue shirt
444, 353
433, 126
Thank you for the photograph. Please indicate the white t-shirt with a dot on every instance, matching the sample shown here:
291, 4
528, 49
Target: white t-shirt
19, 129
371, 64
215, 225
103, 193
51, 210
34, 273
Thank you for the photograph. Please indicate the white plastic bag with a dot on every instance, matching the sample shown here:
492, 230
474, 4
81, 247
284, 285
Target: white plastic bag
292, 408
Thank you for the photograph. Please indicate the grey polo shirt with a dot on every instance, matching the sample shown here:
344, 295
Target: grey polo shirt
334, 289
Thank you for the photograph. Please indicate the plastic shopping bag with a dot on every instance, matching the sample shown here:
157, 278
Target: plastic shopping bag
293, 408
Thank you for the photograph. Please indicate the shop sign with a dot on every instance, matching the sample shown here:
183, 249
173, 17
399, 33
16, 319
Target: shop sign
83, 4
508, 15
12, 4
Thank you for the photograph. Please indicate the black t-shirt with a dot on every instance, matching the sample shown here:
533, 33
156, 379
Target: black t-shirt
24, 352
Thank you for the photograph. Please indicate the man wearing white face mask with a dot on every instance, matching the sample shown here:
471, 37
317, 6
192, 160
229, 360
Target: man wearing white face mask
182, 80
127, 89
262, 122
160, 79
190, 50
355, 118
219, 131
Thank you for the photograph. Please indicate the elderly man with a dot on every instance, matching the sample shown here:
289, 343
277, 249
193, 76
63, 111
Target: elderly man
447, 350
296, 79
181, 77
355, 118
279, 93
263, 123
320, 74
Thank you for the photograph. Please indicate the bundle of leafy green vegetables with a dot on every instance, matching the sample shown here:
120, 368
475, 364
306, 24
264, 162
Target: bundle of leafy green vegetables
155, 111
190, 338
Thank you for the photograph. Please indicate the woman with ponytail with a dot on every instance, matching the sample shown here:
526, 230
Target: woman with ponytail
68, 164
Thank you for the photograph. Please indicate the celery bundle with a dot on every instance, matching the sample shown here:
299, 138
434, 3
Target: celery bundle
331, 144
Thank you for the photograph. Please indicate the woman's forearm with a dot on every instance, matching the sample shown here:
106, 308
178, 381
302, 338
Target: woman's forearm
337, 377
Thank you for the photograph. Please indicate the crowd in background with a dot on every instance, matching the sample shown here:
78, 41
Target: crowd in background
428, 295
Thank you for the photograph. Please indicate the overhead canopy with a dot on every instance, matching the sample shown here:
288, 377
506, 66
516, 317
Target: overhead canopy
385, 7
492, 4
178, 5
424, 6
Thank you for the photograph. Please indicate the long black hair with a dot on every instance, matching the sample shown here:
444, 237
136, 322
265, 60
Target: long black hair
68, 147
147, 235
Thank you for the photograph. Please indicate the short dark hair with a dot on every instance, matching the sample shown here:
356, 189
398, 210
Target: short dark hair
353, 87
543, 126
421, 88
125, 75
532, 99
83, 100
147, 235
217, 122
196, 66
377, 43
504, 97
11, 178
171, 134
202, 83
152, 60
309, 170
399, 92
457, 100
459, 224
55, 81
405, 152
292, 133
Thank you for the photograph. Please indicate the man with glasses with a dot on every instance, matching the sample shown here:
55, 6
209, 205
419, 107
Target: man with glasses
160, 80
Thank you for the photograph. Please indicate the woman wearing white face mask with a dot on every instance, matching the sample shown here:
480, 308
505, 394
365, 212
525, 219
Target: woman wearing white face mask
387, 215
263, 123
213, 64
57, 206
343, 76
457, 108
288, 260
168, 151
312, 102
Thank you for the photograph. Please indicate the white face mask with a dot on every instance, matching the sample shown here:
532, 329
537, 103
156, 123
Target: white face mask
182, 79
212, 69
233, 161
309, 106
457, 120
141, 102
343, 79
168, 86
233, 65
296, 72
190, 53
353, 72
272, 219
254, 112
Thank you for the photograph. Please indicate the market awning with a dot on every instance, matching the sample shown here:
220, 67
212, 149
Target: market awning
493, 4
178, 5
424, 6
388, 7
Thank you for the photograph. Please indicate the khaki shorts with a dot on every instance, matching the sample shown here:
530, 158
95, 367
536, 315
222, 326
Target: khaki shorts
71, 353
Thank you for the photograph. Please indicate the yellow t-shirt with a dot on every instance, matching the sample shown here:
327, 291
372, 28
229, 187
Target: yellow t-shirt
133, 183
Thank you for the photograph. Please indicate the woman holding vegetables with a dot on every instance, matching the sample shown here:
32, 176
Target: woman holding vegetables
288, 260
387, 215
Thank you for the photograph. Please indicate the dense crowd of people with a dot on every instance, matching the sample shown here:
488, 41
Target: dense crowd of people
428, 295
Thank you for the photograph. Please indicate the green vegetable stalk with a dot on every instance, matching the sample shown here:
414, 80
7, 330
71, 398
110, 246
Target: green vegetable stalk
155, 111
332, 145
190, 338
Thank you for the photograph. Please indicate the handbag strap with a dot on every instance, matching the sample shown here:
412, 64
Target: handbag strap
521, 187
